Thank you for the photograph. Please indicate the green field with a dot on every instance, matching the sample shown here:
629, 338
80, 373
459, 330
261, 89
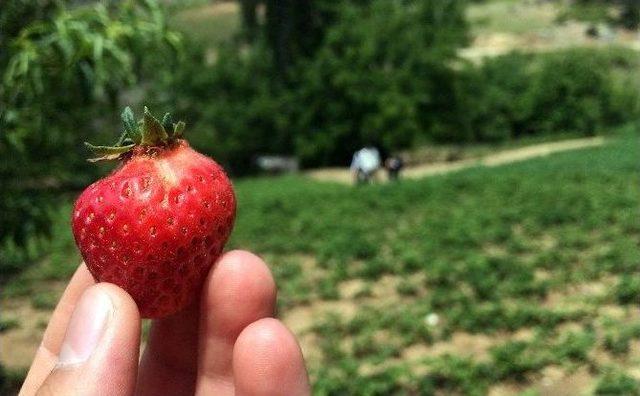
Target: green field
510, 279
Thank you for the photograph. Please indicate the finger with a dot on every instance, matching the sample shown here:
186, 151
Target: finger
169, 363
99, 352
267, 360
239, 291
47, 353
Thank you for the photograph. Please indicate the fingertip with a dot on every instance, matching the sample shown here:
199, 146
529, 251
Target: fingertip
123, 303
242, 260
239, 276
239, 291
267, 360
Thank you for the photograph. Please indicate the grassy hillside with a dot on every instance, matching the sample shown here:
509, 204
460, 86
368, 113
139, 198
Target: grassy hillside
502, 280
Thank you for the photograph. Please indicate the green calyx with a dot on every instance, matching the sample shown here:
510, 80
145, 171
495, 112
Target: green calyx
146, 132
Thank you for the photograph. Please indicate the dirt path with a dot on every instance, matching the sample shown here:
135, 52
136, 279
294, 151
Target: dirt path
342, 175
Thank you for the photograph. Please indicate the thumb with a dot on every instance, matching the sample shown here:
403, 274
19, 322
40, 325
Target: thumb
99, 354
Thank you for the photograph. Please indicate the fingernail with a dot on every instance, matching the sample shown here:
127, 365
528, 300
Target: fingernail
87, 324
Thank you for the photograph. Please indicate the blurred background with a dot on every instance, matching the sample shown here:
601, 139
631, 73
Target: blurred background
505, 260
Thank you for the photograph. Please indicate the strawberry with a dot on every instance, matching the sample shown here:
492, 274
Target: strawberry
158, 222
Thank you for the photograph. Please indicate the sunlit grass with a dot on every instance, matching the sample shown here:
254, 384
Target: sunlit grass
209, 24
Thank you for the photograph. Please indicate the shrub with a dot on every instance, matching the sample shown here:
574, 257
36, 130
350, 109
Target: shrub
570, 92
614, 382
577, 90
628, 290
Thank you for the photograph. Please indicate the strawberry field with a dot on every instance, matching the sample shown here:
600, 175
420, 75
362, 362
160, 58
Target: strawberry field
517, 279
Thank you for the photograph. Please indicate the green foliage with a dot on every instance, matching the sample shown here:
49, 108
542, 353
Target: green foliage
44, 300
375, 78
619, 336
237, 110
514, 360
626, 12
628, 289
8, 324
29, 269
575, 90
471, 290
11, 380
630, 15
456, 375
63, 71
472, 250
92, 51
570, 92
616, 382
292, 30
362, 88
587, 11
358, 85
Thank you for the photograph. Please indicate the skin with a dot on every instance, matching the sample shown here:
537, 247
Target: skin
228, 343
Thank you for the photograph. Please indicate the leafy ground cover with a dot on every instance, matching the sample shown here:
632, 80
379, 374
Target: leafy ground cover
522, 278
483, 281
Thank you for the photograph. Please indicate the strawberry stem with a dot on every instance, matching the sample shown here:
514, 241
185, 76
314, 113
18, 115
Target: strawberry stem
147, 132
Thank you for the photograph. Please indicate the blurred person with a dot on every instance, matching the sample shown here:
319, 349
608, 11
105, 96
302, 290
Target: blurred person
365, 164
227, 343
394, 165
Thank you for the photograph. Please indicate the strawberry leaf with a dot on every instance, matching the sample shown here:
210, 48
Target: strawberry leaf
167, 122
105, 153
152, 131
146, 132
130, 125
178, 129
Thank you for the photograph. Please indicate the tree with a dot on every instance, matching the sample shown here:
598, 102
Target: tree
382, 76
62, 71
293, 29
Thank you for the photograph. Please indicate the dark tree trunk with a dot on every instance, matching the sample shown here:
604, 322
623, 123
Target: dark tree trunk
279, 24
249, 19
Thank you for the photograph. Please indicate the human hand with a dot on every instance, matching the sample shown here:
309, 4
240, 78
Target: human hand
225, 344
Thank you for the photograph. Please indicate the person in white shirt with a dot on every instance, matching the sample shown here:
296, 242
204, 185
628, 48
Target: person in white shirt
365, 164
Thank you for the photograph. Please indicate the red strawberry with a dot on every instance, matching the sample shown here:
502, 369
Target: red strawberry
156, 225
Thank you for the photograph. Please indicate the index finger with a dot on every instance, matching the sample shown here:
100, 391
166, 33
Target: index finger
47, 354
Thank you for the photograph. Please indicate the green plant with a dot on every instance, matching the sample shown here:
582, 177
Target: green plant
616, 382
628, 289
62, 71
44, 300
11, 380
8, 324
